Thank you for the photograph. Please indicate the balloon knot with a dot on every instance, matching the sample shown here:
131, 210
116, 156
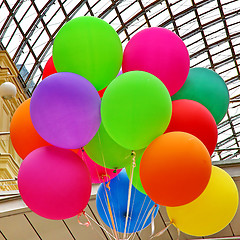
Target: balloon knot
87, 224
133, 153
115, 171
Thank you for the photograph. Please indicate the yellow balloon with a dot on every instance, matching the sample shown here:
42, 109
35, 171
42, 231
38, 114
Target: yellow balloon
212, 211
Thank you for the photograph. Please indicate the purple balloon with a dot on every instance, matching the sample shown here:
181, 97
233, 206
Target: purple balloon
65, 110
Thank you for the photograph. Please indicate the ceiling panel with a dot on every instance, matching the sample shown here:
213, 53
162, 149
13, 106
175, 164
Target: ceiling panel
17, 227
82, 232
49, 229
2, 237
235, 224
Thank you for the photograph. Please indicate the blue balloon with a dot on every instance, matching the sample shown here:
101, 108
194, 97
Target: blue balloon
140, 205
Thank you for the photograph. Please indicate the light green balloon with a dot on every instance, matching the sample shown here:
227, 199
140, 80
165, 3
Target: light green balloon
136, 175
208, 88
90, 47
107, 153
136, 108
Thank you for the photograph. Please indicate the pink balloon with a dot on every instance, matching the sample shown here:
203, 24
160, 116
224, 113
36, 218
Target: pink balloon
54, 183
98, 173
161, 53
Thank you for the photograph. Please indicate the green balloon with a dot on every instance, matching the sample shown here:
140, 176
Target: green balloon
136, 175
136, 108
208, 88
107, 153
90, 47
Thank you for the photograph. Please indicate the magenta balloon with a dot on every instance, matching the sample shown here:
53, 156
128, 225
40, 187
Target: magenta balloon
98, 173
54, 183
160, 52
65, 110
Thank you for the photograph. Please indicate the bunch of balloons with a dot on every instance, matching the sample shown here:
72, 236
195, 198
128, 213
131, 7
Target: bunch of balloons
156, 110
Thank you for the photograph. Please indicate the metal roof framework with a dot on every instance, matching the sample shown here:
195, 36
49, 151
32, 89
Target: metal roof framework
209, 28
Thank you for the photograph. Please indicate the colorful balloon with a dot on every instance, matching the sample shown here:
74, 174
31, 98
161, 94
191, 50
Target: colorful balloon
65, 110
49, 68
212, 211
192, 117
160, 52
140, 205
101, 92
136, 175
106, 152
175, 169
208, 88
98, 173
89, 47
23, 135
136, 108
54, 183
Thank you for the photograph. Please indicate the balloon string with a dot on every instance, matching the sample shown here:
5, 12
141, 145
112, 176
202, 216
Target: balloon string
152, 221
139, 221
133, 202
112, 220
162, 231
151, 211
110, 210
87, 224
129, 191
108, 233
178, 231
105, 212
104, 163
101, 178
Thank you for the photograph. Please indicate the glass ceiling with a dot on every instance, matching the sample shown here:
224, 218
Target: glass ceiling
209, 28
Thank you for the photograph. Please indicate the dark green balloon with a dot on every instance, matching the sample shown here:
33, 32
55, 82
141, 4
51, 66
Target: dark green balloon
136, 175
107, 153
208, 88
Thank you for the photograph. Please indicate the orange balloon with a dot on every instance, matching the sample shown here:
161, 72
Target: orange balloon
76, 150
24, 137
175, 169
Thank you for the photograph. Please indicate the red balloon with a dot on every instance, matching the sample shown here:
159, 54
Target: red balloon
101, 92
192, 117
49, 68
